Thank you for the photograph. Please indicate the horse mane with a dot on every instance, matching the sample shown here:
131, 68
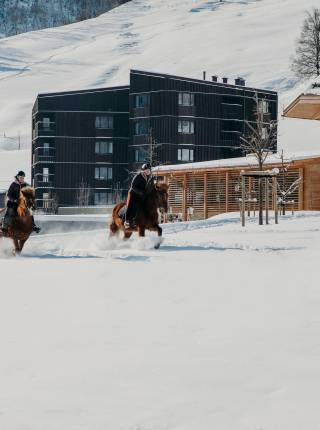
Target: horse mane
25, 193
161, 186
28, 191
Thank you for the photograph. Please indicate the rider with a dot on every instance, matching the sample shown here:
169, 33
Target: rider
13, 196
136, 194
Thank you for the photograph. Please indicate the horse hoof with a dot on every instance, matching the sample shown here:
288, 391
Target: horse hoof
157, 245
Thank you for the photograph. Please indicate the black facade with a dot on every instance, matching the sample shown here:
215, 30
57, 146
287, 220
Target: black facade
80, 147
85, 143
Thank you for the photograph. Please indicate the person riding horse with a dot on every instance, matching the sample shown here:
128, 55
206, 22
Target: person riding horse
136, 194
13, 196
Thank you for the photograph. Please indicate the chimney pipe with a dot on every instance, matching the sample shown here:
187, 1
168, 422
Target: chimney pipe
214, 78
225, 80
240, 81
204, 75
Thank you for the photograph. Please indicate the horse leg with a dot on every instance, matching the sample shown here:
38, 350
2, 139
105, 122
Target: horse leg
127, 235
16, 249
142, 231
113, 229
22, 242
159, 230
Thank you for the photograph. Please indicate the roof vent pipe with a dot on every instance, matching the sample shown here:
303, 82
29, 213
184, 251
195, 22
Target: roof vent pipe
214, 78
204, 75
240, 81
225, 80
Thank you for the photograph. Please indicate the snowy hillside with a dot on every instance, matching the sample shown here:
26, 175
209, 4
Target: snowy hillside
253, 39
105, 335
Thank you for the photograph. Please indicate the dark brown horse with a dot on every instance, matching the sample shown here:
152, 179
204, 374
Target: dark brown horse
22, 224
147, 217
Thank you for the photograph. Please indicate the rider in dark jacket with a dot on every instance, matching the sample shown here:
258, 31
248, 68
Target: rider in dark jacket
136, 194
13, 196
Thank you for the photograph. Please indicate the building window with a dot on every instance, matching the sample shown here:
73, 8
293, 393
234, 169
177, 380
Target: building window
46, 123
185, 154
45, 174
186, 99
46, 148
139, 155
104, 147
141, 127
103, 198
45, 200
103, 173
263, 106
104, 121
142, 100
186, 127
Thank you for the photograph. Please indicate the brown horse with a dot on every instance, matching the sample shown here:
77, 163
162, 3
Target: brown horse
147, 217
22, 224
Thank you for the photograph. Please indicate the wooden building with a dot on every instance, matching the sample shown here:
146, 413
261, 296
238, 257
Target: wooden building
202, 190
85, 143
305, 106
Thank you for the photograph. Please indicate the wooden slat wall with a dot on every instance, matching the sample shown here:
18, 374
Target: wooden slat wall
217, 191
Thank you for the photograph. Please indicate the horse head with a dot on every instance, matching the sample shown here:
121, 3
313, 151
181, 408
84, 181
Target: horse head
162, 196
26, 203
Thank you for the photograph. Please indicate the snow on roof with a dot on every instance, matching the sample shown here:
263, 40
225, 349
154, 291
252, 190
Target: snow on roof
313, 87
249, 161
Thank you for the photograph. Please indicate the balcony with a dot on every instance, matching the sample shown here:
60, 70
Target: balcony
44, 181
43, 129
44, 154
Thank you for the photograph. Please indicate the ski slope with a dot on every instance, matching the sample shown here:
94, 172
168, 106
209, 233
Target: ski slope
219, 329
253, 39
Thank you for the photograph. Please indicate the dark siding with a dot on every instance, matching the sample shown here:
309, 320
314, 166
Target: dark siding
219, 114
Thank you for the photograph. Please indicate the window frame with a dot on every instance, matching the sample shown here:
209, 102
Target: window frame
98, 173
104, 122
101, 143
182, 129
186, 99
185, 154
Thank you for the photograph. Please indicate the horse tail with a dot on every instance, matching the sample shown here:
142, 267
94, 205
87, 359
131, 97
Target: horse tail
113, 227
116, 221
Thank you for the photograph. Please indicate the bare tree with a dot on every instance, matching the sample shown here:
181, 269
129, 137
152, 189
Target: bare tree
83, 195
306, 62
260, 139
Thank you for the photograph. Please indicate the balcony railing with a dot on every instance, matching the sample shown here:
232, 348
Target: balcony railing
44, 154
43, 129
44, 181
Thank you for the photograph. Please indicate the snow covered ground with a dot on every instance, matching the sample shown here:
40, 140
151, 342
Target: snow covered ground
219, 329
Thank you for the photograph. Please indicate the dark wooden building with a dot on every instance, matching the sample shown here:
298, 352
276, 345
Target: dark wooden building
191, 120
85, 143
80, 146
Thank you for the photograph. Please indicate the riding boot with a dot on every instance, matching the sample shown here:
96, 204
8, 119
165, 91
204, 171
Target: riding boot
35, 227
7, 220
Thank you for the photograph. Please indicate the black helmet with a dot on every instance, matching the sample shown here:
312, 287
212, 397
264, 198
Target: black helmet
146, 166
21, 173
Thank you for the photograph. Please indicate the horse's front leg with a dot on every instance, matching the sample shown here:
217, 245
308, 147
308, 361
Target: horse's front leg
159, 230
21, 245
16, 249
142, 231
